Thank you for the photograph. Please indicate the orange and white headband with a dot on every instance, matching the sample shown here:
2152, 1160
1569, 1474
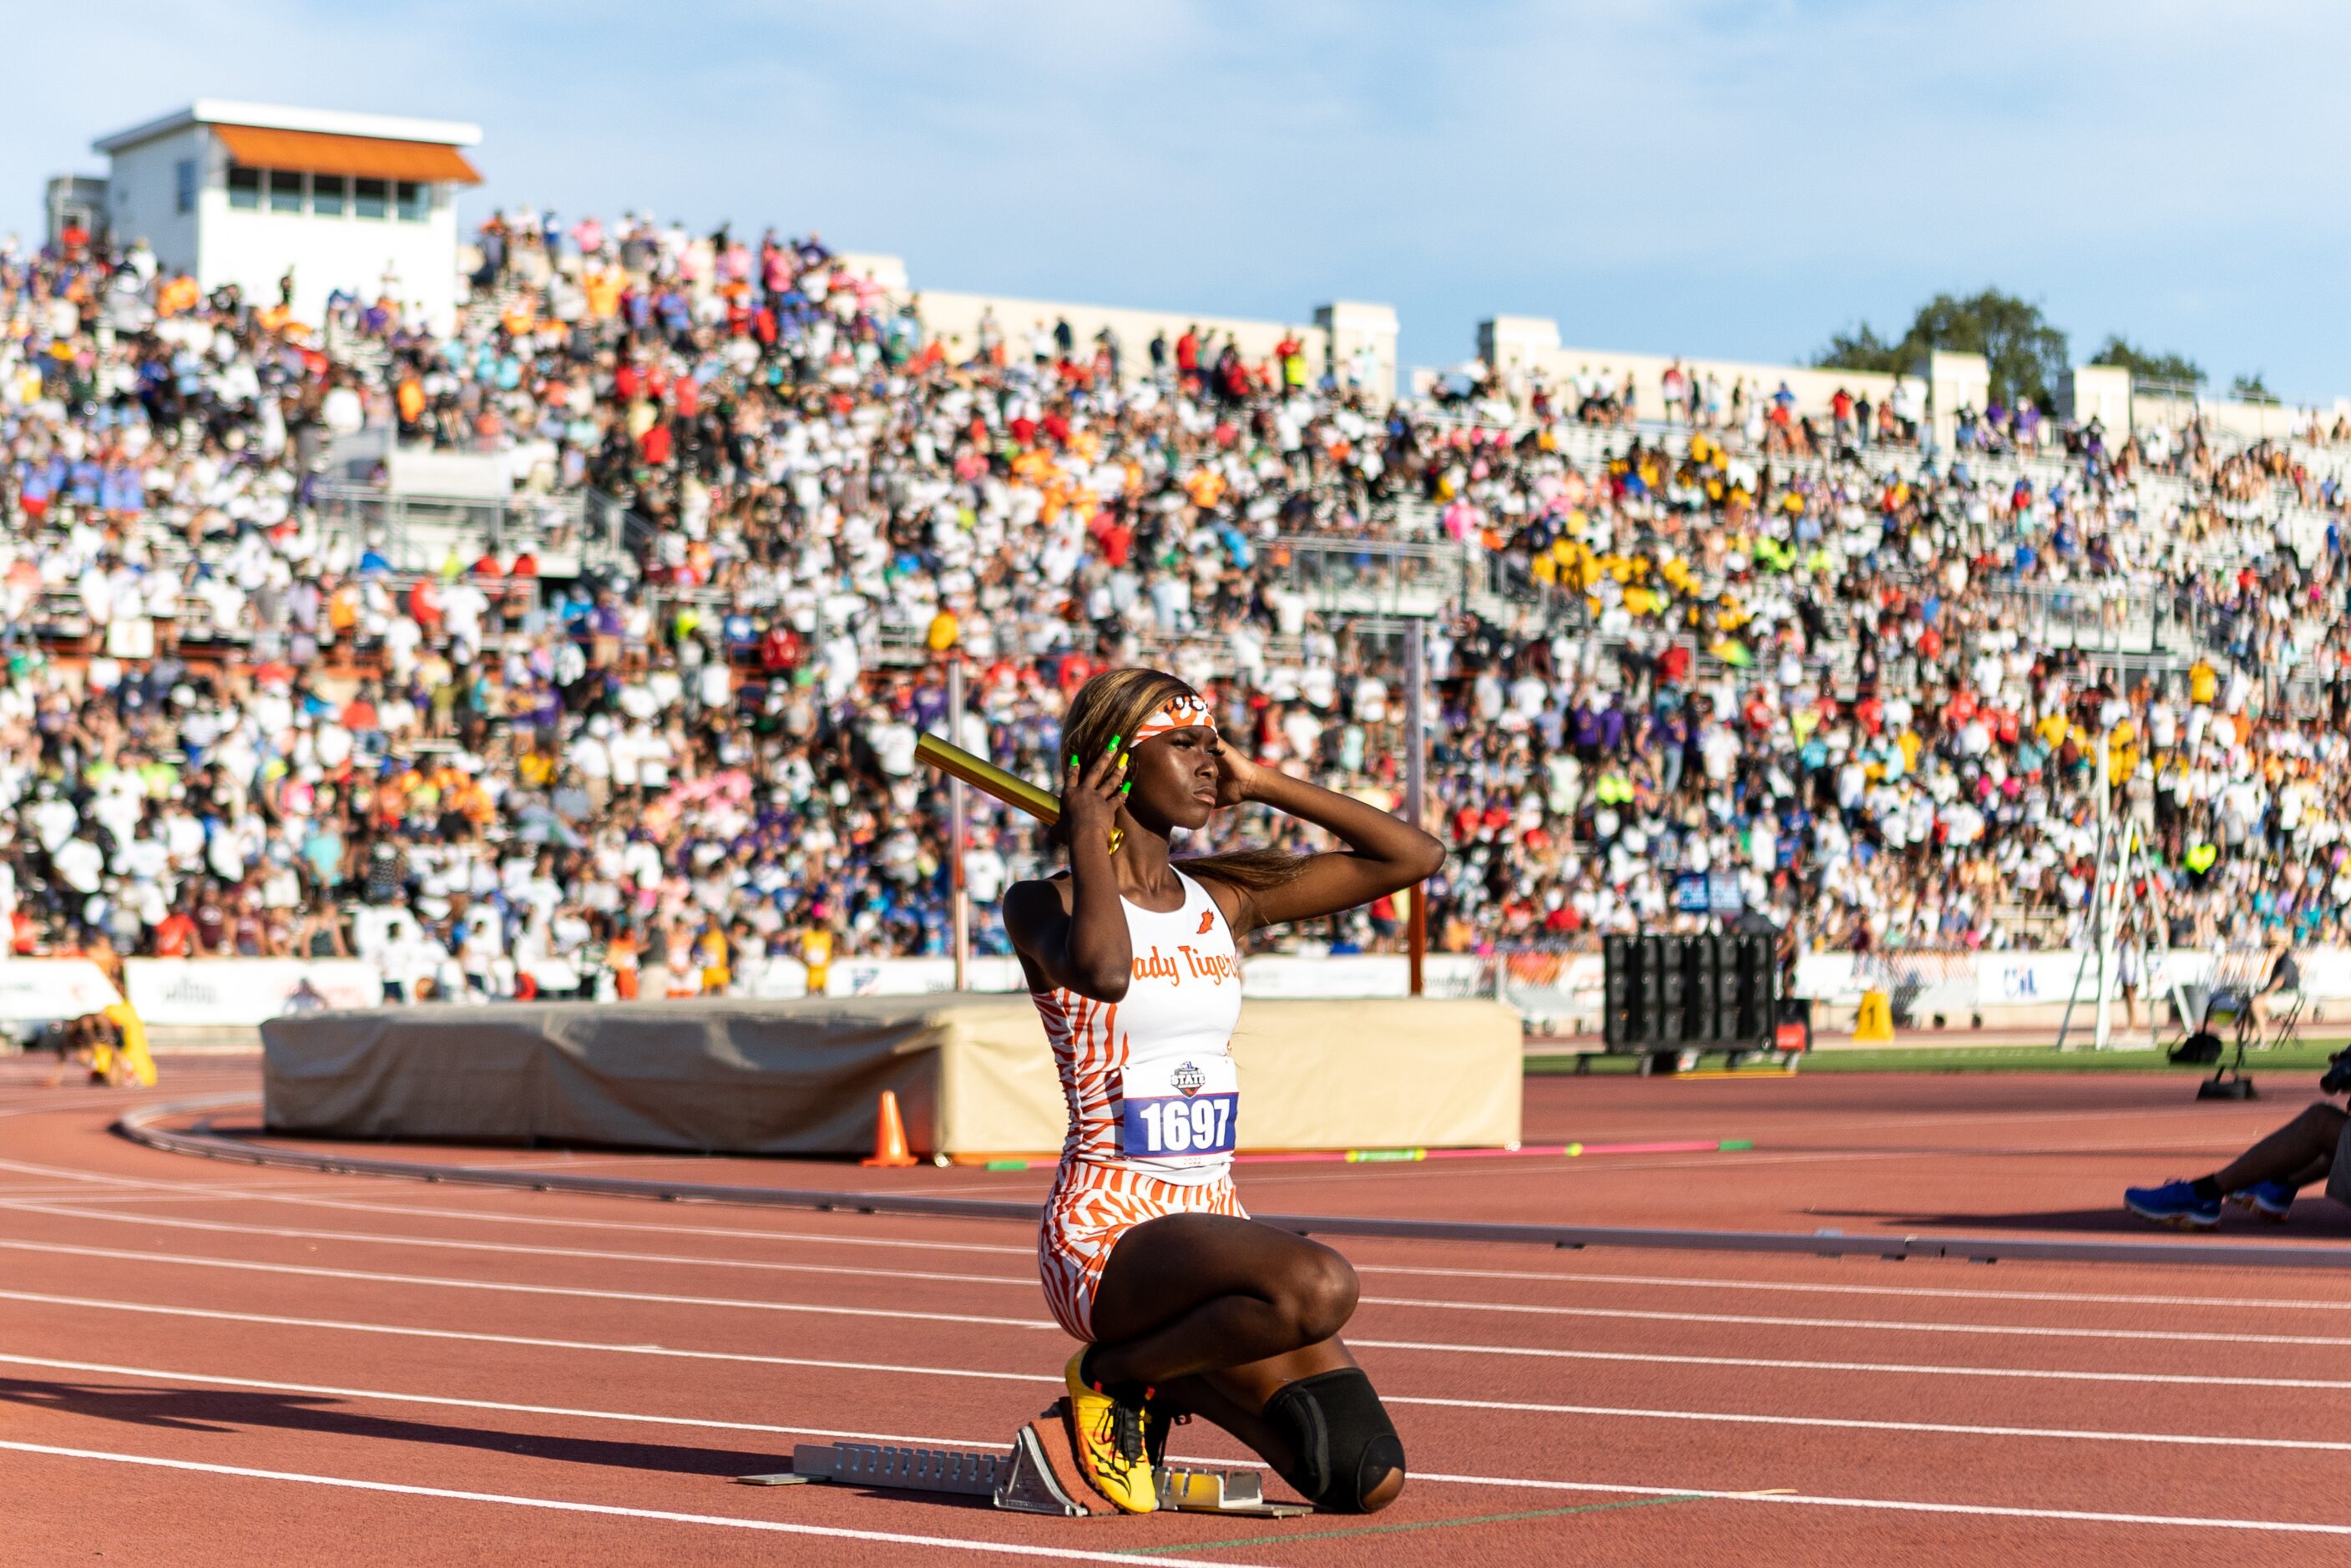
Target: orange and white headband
1182, 711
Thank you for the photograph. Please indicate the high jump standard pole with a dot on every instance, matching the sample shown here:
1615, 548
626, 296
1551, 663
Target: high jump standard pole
1416, 746
961, 897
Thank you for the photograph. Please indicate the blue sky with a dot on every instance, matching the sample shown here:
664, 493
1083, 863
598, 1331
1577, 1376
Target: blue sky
1676, 175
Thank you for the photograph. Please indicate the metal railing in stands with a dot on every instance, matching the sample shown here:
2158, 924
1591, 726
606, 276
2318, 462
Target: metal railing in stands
416, 532
1360, 574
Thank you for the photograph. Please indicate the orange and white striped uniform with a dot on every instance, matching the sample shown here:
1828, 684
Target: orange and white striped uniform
1151, 1094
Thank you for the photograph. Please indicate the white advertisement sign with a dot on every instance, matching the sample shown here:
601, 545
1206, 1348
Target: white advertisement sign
1274, 975
44, 991
2018, 979
243, 991
916, 976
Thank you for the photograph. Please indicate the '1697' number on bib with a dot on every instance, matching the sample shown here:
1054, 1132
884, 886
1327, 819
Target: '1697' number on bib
1181, 1108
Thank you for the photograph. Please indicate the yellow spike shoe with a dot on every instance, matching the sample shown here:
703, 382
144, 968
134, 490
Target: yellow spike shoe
1107, 1436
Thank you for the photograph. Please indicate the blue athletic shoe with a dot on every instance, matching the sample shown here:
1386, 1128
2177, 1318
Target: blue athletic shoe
2174, 1202
2272, 1201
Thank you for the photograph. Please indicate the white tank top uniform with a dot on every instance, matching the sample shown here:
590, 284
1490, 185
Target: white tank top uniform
1153, 1094
1149, 1081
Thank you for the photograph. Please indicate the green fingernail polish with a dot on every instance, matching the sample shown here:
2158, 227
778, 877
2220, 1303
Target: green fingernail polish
1127, 787
1113, 744
1074, 759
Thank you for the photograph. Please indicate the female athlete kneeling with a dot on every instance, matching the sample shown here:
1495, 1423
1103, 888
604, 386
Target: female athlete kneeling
1188, 1306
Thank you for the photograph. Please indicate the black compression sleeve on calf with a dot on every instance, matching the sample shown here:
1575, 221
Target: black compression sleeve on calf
1345, 1443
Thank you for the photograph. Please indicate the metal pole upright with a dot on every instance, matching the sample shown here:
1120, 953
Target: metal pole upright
1416, 768
962, 896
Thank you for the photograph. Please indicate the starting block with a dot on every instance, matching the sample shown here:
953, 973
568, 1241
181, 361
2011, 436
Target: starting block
1040, 1475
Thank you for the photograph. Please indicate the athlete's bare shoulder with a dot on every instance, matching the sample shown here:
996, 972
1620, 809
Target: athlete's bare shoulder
1230, 901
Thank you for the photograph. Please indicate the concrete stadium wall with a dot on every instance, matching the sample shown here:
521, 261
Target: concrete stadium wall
2249, 421
1353, 342
1523, 347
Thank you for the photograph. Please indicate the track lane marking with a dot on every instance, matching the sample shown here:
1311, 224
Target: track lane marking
1930, 1292
1031, 1281
526, 1342
303, 1189
508, 1248
155, 1374
442, 1283
1973, 1509
1948, 1428
1800, 1500
1746, 1419
609, 1511
1882, 1325
1905, 1369
307, 1197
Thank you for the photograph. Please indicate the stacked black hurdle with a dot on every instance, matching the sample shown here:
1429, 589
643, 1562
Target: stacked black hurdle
1670, 997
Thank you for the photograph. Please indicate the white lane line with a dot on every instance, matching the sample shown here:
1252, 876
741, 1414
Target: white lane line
151, 1373
1969, 1510
1681, 1282
1980, 1510
834, 1238
304, 1194
1969, 1119
1875, 1325
1638, 1358
526, 1342
102, 1178
299, 1190
92, 1103
379, 1239
1924, 1293
83, 1195
609, 1511
301, 1194
1744, 1418
1882, 1325
1609, 1411
439, 1282
1020, 1281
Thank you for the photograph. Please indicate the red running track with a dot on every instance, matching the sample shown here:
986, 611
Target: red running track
203, 1363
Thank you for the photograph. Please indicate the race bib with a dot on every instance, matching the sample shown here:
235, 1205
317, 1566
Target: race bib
1183, 1107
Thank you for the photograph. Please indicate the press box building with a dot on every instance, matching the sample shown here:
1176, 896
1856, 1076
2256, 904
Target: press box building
240, 192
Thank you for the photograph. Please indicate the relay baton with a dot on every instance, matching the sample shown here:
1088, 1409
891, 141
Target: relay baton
986, 777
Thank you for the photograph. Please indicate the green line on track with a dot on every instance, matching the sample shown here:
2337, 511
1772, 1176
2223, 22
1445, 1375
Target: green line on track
1281, 1540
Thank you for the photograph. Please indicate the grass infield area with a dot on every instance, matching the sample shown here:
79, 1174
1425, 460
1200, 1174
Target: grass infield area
2309, 1057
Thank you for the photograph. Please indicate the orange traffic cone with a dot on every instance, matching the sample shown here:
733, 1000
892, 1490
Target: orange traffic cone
889, 1135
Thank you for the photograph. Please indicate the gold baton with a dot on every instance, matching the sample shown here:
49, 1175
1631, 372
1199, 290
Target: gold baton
986, 777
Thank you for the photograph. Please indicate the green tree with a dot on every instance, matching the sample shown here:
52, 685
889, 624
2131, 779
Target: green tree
1862, 350
2145, 365
2026, 353
2251, 389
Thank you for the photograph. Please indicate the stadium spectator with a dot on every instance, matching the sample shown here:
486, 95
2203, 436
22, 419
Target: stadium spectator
1857, 681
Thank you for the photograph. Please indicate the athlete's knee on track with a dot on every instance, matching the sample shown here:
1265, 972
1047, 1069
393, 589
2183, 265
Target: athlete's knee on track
1385, 1492
1344, 1454
1320, 1295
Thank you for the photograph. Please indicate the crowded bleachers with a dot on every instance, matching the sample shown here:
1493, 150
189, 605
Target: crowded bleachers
650, 716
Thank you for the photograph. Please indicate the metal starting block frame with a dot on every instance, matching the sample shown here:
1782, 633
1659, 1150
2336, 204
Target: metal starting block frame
1023, 1481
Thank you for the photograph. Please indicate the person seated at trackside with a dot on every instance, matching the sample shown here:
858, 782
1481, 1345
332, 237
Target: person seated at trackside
2285, 976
